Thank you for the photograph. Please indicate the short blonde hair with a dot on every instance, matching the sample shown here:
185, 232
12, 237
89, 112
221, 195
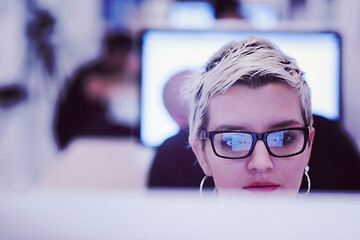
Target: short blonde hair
253, 62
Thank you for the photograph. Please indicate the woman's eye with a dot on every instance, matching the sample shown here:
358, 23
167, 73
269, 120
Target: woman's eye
227, 143
281, 139
288, 138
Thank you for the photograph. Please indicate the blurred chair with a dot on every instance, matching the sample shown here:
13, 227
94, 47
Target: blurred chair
334, 162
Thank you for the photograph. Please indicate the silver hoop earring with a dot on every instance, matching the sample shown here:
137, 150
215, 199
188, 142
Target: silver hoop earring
202, 185
306, 170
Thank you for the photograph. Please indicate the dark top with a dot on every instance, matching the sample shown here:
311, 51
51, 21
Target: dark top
175, 164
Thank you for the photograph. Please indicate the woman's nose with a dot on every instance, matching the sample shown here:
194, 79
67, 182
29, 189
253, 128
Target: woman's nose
260, 159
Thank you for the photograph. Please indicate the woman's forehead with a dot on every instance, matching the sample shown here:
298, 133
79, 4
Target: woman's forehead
259, 107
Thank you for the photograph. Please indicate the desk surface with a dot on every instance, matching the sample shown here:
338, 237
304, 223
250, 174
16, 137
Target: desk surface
176, 215
100, 164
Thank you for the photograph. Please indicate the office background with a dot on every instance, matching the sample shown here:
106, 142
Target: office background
27, 147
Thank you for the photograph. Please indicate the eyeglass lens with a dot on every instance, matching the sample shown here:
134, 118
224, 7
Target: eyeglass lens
237, 145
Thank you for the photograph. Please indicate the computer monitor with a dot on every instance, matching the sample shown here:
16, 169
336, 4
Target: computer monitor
167, 52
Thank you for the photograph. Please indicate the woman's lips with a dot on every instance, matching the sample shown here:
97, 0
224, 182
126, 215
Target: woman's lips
262, 186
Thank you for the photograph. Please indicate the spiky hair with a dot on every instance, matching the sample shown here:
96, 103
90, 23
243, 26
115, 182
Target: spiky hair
253, 62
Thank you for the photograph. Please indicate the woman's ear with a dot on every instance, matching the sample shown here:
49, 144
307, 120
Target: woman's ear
199, 151
311, 141
311, 137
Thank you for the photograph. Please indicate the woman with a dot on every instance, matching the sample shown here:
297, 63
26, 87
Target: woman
251, 125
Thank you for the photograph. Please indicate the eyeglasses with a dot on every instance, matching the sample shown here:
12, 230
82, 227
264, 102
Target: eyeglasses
238, 144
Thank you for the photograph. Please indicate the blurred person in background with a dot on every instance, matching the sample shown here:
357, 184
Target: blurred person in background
174, 164
39, 32
101, 98
227, 9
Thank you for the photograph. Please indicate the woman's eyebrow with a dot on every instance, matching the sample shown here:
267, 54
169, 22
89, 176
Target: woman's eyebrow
285, 124
281, 124
230, 128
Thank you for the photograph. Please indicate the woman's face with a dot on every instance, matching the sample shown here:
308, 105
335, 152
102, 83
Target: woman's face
271, 107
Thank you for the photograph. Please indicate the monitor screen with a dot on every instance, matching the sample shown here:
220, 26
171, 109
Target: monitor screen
167, 52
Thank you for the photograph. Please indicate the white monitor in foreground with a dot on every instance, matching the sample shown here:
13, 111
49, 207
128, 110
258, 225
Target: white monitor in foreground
167, 52
113, 215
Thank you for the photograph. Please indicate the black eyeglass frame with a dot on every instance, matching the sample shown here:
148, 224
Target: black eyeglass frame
256, 136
